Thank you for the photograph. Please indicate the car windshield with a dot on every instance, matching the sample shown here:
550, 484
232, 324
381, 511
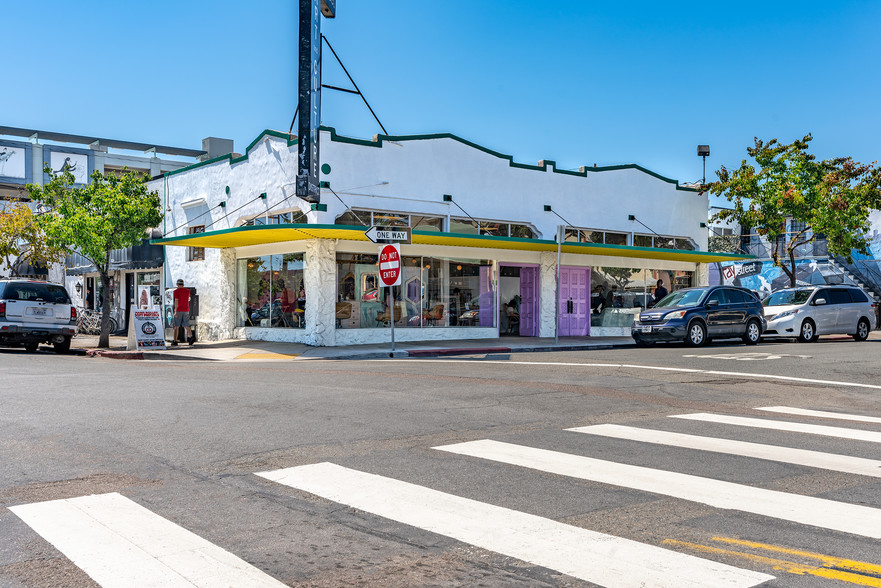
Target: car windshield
787, 297
681, 298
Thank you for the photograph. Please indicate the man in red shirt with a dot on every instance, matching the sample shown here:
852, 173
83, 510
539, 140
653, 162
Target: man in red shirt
181, 311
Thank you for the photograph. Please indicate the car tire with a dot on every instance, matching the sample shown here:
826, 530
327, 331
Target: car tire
753, 332
863, 329
31, 347
696, 335
807, 333
62, 347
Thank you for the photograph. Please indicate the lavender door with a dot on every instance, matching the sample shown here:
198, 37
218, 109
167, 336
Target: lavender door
574, 302
529, 301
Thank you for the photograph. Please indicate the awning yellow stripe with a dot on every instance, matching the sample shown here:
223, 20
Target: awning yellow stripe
262, 235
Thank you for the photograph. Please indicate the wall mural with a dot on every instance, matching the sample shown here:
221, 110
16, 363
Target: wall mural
763, 277
75, 163
12, 161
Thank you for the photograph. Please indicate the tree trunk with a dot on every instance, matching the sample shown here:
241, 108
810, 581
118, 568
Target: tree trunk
104, 338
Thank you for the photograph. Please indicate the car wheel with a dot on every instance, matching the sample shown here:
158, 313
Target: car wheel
62, 347
753, 332
808, 332
697, 334
863, 329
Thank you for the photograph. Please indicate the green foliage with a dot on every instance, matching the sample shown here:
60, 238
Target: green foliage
833, 197
112, 212
620, 275
723, 243
20, 234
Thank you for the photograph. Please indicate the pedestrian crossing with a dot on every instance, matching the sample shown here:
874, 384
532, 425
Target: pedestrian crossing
118, 542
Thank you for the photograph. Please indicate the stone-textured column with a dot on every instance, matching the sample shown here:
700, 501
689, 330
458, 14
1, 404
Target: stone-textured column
548, 298
702, 274
217, 302
319, 277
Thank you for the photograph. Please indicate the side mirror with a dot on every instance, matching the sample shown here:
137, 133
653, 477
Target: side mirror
819, 302
712, 303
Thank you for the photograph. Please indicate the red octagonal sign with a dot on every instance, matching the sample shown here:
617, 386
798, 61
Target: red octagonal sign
390, 265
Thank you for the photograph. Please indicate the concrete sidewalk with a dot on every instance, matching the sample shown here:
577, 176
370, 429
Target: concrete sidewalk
272, 351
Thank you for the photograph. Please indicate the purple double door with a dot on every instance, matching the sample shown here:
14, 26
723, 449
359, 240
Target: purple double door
574, 301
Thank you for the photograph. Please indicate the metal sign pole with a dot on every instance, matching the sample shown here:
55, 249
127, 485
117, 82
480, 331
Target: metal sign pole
560, 232
392, 319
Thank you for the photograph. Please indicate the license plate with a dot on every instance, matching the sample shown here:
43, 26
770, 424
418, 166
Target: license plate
39, 311
647, 329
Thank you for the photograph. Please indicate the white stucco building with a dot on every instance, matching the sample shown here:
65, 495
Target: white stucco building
267, 265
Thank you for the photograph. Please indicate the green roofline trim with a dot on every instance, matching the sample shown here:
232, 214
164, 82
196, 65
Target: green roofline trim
377, 141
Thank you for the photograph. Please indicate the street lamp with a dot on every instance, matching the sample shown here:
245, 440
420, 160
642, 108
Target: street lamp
703, 151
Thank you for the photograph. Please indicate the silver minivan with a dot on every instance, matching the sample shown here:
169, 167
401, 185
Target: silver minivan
811, 311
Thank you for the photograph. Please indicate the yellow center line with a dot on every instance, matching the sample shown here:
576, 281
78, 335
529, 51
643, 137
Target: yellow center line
267, 355
790, 566
828, 560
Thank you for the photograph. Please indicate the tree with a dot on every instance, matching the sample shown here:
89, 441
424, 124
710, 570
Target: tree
21, 235
832, 197
620, 275
111, 212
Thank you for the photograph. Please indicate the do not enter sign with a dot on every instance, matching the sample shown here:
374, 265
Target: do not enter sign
390, 265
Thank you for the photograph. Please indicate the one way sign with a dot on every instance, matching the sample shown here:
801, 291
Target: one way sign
389, 234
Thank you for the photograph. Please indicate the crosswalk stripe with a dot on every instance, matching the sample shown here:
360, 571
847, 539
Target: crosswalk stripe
827, 431
119, 543
821, 413
595, 557
814, 459
819, 512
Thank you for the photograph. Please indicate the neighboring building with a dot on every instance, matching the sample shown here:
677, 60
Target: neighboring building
22, 161
267, 265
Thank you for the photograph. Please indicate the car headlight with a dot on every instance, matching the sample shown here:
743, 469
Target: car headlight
784, 314
676, 314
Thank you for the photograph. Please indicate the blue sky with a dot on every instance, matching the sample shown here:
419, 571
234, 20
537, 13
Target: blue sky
575, 82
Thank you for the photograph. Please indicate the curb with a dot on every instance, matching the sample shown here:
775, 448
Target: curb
114, 354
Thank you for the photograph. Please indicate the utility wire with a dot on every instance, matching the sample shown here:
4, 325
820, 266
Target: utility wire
360, 93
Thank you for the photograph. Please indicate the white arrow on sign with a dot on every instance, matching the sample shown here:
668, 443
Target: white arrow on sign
385, 235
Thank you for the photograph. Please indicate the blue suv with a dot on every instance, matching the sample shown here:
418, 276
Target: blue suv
696, 315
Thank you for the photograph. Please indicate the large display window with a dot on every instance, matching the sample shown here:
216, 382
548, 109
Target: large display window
434, 292
271, 291
619, 294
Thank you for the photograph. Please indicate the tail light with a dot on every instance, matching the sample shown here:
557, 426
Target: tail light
2, 309
73, 313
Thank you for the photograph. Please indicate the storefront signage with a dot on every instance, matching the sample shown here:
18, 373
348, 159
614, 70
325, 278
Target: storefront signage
390, 265
148, 330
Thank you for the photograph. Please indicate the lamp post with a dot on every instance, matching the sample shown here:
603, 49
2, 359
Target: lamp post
703, 151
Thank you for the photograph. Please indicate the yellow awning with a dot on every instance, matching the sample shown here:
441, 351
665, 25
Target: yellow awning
265, 234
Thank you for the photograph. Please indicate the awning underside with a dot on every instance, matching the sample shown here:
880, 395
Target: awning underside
263, 235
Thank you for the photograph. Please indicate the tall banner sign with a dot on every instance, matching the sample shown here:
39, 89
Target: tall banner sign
309, 106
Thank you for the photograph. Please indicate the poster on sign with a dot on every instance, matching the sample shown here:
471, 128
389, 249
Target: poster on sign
147, 329
390, 265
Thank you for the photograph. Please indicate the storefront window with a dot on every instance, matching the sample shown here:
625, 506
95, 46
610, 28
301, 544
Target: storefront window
619, 294
426, 223
616, 238
433, 293
271, 291
356, 218
642, 240
152, 280
464, 226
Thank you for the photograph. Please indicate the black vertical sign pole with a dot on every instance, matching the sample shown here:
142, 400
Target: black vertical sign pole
310, 100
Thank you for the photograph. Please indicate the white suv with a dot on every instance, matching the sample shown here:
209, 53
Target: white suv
812, 311
34, 312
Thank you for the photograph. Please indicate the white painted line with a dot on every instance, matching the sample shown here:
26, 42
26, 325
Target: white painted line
649, 367
826, 431
804, 457
119, 543
594, 557
821, 413
807, 510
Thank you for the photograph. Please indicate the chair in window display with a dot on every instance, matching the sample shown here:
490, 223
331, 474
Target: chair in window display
434, 315
385, 316
343, 312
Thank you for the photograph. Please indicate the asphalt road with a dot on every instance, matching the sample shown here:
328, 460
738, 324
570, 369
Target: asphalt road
185, 441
